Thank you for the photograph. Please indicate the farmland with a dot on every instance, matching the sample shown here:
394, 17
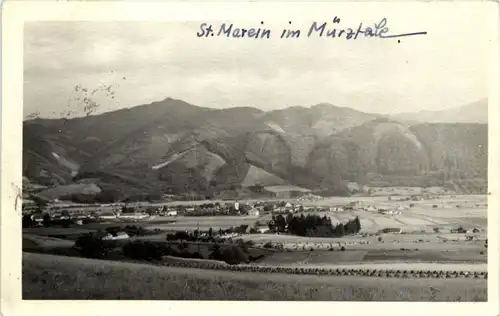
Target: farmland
445, 212
79, 278
425, 243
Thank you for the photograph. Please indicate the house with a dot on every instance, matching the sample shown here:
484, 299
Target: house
253, 212
262, 229
107, 215
119, 236
134, 216
37, 218
227, 236
353, 187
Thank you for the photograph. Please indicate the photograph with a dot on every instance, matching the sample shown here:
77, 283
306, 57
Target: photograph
310, 157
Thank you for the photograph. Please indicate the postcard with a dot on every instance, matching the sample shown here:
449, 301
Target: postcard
156, 156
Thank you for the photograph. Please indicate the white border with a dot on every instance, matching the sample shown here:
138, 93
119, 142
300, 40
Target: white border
16, 13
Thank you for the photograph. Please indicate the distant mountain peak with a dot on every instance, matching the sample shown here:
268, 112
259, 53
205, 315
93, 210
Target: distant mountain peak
324, 105
474, 112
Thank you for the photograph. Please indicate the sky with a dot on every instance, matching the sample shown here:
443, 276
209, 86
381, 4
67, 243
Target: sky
145, 62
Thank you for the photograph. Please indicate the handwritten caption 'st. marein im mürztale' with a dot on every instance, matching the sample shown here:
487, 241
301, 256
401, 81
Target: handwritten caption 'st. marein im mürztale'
316, 29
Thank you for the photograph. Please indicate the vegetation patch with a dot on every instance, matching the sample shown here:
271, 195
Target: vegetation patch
79, 278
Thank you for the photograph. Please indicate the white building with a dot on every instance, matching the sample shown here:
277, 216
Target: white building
107, 216
262, 229
134, 216
172, 213
254, 212
119, 235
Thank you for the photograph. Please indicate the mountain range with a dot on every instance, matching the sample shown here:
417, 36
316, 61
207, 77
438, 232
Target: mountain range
175, 147
475, 112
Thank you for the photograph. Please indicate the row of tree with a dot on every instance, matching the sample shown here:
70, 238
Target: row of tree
93, 246
313, 226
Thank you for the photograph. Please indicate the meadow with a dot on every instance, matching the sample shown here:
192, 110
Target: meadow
418, 247
56, 277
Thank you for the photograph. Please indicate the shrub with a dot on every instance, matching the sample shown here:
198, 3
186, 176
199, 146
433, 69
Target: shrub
268, 245
230, 255
92, 246
342, 248
145, 250
27, 222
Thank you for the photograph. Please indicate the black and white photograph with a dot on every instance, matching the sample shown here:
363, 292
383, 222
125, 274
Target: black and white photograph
336, 156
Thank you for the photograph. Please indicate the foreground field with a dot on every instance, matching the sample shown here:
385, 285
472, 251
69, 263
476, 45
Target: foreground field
54, 277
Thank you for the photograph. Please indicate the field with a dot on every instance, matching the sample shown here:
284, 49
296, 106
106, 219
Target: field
54, 277
418, 248
446, 213
203, 222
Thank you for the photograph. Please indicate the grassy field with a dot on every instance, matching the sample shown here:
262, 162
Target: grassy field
378, 256
203, 222
54, 277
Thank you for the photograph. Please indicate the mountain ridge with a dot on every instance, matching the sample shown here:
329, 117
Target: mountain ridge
321, 147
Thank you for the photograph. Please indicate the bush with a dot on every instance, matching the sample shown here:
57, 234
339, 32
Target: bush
342, 248
27, 222
133, 230
92, 246
268, 245
145, 250
230, 255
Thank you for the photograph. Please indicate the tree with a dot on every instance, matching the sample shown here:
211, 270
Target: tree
46, 220
272, 225
66, 223
357, 224
231, 255
210, 232
92, 246
27, 221
342, 230
280, 223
